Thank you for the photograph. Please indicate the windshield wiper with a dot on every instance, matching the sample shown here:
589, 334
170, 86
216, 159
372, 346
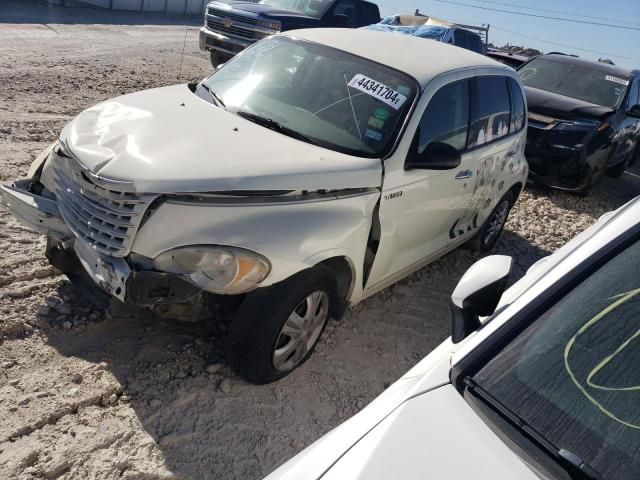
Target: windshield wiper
275, 126
214, 96
577, 468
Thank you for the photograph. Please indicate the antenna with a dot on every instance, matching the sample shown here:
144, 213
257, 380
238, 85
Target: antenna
184, 44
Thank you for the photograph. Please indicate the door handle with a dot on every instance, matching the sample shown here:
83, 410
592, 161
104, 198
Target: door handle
512, 154
464, 174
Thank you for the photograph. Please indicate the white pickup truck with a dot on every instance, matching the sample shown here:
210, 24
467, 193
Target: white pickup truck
314, 169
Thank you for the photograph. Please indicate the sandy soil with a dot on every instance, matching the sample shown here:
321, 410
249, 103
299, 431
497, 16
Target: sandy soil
84, 395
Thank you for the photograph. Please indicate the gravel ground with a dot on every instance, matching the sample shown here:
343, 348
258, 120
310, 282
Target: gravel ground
84, 395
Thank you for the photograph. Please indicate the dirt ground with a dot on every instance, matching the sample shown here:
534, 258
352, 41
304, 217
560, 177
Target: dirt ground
84, 395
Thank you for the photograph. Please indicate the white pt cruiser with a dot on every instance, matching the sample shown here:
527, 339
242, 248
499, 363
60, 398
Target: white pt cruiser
311, 171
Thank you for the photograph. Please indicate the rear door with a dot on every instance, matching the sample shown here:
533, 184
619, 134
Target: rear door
495, 135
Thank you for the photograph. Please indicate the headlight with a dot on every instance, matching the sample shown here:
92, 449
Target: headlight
270, 25
571, 135
225, 270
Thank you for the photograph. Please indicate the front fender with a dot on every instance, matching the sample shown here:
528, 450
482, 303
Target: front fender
292, 235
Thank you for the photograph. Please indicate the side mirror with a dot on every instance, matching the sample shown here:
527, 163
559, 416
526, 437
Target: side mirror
436, 156
634, 111
478, 294
340, 20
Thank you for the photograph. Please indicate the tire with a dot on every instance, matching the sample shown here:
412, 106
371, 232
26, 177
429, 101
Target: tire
618, 170
591, 183
490, 231
218, 58
260, 348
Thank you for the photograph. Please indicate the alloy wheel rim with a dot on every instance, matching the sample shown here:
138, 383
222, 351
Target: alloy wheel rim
496, 223
301, 331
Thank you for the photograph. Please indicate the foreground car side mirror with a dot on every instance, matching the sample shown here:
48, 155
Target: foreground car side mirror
436, 156
478, 294
634, 111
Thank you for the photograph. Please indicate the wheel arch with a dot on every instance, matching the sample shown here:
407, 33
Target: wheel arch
345, 274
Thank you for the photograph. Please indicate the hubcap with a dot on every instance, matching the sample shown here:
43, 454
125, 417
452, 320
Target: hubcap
496, 222
301, 331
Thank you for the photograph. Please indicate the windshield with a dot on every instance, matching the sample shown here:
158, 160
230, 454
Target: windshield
313, 8
574, 80
335, 99
574, 374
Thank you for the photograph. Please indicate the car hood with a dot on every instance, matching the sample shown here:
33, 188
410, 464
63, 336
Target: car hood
559, 106
261, 9
436, 435
168, 140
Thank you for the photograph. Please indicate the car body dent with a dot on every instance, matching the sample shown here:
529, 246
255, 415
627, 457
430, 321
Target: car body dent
293, 236
119, 140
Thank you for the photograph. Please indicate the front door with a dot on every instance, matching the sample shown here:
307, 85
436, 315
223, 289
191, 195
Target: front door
420, 207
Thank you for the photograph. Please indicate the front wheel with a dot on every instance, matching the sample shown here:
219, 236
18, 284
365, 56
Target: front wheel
276, 329
617, 170
488, 235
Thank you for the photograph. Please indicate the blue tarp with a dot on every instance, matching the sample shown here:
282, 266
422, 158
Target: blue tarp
392, 24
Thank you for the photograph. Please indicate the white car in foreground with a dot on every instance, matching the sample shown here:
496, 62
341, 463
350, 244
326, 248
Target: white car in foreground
309, 172
547, 387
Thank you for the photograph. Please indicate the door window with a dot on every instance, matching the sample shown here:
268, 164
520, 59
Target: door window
446, 118
633, 94
573, 375
492, 114
348, 8
517, 107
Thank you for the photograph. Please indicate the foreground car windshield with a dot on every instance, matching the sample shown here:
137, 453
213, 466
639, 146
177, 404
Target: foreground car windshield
574, 374
582, 82
313, 8
335, 99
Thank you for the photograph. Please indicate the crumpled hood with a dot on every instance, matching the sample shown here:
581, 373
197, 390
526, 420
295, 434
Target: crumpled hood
559, 106
168, 140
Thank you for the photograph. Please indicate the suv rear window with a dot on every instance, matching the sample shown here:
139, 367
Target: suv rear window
574, 374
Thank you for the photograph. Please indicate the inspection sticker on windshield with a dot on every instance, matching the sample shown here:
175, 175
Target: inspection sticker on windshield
621, 81
377, 90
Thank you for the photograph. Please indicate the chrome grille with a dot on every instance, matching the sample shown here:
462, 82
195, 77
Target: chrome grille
235, 30
106, 219
233, 16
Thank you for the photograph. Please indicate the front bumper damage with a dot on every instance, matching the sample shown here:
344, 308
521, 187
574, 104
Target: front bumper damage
104, 279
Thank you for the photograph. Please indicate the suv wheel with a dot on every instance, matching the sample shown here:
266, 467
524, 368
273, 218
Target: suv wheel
490, 231
617, 170
276, 329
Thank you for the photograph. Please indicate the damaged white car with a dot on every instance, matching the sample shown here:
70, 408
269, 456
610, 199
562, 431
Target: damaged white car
311, 171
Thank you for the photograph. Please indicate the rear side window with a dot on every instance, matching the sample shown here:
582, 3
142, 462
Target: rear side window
634, 94
348, 8
446, 118
517, 107
492, 112
459, 38
474, 42
369, 14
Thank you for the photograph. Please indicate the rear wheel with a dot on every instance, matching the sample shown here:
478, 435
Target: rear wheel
490, 232
617, 170
276, 329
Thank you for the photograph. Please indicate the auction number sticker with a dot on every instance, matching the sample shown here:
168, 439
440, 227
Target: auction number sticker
621, 81
378, 90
